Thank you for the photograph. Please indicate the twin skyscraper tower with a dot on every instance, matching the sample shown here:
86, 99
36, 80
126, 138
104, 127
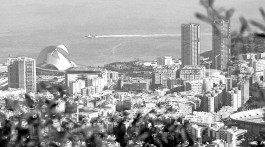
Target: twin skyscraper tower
221, 44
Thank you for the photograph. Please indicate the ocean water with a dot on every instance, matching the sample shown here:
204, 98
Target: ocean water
28, 26
100, 51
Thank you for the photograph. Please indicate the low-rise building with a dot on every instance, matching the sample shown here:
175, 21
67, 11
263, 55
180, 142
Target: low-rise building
210, 82
160, 92
125, 104
166, 60
193, 72
233, 99
212, 101
231, 136
173, 82
12, 92
3, 68
184, 109
75, 87
203, 117
134, 84
259, 65
244, 88
161, 74
195, 86
196, 132
112, 76
89, 91
91, 75
218, 143
45, 95
3, 83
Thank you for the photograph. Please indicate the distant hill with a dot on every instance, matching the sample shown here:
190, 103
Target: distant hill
206, 54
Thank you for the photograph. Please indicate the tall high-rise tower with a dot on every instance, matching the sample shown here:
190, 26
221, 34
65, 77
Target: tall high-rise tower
221, 43
22, 74
190, 44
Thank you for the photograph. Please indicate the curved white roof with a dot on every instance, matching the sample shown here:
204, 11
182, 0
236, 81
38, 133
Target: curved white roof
253, 116
63, 48
52, 56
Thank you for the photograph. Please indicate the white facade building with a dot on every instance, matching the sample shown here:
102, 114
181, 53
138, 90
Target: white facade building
166, 60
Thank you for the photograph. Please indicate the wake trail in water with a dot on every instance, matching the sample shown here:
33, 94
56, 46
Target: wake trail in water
115, 47
144, 36
138, 36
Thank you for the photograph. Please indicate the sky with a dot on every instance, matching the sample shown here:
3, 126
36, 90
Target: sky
27, 26
107, 15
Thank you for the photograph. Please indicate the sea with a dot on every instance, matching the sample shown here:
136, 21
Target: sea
28, 26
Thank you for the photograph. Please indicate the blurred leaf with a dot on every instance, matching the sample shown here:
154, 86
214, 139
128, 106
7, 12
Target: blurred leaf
52, 106
153, 111
136, 119
262, 35
258, 25
204, 3
207, 3
262, 13
10, 104
229, 13
29, 101
234, 35
61, 90
221, 10
214, 14
143, 136
211, 2
70, 108
244, 25
203, 18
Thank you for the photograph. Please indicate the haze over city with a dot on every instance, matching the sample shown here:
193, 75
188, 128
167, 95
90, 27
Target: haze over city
28, 26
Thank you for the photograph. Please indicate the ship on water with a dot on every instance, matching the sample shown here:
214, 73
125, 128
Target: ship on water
90, 36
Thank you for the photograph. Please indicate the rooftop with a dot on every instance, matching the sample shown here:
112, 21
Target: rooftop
22, 58
193, 67
88, 69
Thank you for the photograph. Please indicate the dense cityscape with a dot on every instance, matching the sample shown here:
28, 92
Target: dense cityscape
213, 99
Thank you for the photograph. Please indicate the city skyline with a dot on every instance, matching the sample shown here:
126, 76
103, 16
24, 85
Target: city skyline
106, 73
